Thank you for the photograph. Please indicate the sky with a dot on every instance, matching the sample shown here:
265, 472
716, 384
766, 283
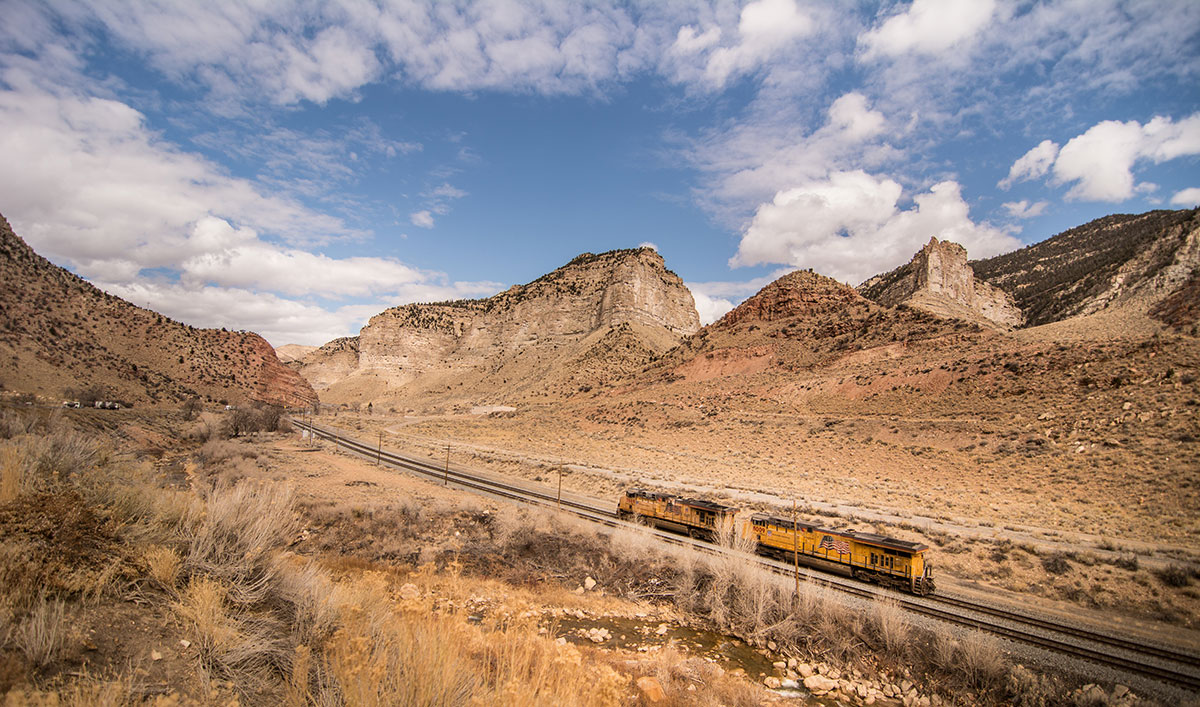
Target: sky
294, 168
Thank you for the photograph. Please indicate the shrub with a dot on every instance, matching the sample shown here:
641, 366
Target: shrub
1056, 563
1174, 576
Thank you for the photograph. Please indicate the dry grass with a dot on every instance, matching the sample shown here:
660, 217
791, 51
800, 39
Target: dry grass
42, 634
233, 534
164, 565
892, 628
236, 643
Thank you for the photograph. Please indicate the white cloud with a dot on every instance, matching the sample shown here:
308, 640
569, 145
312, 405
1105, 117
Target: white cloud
850, 114
1186, 197
849, 227
745, 164
98, 184
765, 29
1099, 163
423, 218
710, 309
928, 27
100, 191
1032, 165
1023, 209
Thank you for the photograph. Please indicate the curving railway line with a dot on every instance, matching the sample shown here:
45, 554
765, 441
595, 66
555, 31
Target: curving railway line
1159, 662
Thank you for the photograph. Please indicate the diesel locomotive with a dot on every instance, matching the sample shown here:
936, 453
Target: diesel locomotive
899, 564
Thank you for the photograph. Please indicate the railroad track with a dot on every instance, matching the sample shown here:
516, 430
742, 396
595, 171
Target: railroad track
1158, 662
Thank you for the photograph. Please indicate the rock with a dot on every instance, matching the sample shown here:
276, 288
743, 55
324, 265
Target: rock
939, 281
772, 682
772, 646
651, 691
155, 655
905, 685
579, 590
779, 665
662, 629
561, 641
409, 591
804, 669
833, 673
1127, 405
789, 684
1094, 694
792, 662
861, 690
185, 643
792, 674
1119, 691
589, 584
870, 700
819, 684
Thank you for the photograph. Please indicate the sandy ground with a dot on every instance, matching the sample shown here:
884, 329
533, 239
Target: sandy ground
986, 565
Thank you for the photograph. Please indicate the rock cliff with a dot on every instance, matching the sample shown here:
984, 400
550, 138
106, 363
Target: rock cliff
522, 329
939, 280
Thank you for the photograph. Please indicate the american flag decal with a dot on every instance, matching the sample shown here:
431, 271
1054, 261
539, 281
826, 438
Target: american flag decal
841, 547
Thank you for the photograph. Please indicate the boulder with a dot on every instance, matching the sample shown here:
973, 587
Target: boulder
651, 690
589, 584
819, 684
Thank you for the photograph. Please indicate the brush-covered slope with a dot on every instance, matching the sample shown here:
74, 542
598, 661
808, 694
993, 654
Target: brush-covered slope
1120, 260
60, 334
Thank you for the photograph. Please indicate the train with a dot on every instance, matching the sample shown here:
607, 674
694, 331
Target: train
890, 562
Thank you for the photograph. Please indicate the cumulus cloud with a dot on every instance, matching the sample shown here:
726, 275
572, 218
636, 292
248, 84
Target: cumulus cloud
849, 226
1032, 165
928, 27
746, 164
102, 192
1023, 209
1186, 197
1099, 163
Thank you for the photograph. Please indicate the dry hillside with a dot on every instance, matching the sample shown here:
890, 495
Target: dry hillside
59, 336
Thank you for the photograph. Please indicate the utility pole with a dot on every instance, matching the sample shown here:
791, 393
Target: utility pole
446, 481
795, 550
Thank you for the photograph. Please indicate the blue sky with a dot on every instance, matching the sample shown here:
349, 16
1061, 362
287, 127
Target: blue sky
293, 168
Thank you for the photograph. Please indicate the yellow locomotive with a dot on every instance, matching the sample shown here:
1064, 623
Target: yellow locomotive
869, 557
703, 520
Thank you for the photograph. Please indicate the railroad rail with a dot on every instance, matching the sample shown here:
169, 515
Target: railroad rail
1161, 663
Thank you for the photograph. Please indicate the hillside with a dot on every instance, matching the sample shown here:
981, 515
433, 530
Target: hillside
60, 335
1130, 260
582, 324
802, 321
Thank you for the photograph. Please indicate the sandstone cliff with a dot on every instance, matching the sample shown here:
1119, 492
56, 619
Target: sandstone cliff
58, 333
522, 341
939, 280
